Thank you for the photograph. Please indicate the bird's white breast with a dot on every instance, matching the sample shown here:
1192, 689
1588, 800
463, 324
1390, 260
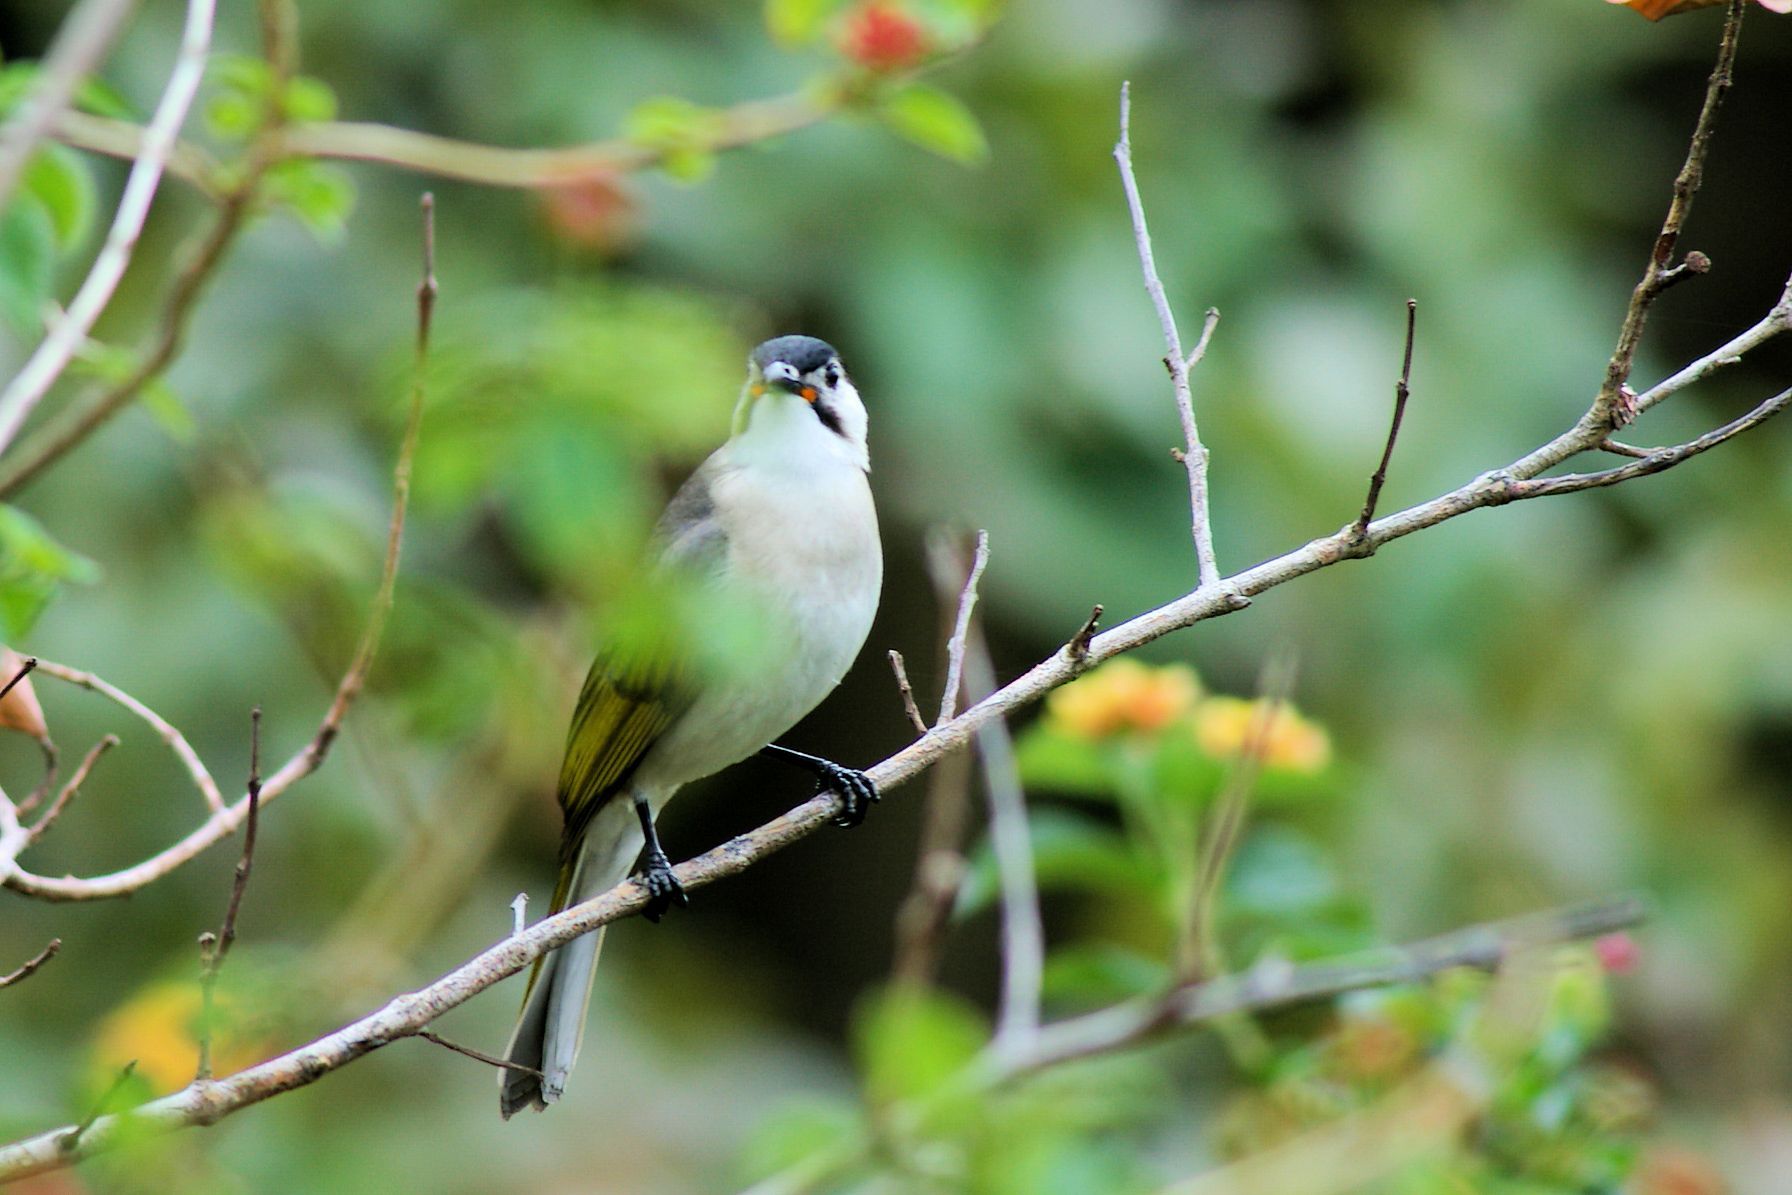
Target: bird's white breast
803, 551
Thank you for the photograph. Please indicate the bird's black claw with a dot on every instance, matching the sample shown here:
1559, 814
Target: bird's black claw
858, 793
663, 888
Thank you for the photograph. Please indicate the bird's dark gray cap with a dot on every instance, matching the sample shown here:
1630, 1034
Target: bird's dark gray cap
805, 353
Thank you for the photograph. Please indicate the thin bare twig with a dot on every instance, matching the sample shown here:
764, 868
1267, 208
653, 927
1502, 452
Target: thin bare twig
214, 948
1618, 448
80, 45
1402, 390
943, 563
235, 203
1193, 453
70, 331
43, 824
1609, 410
1010, 837
431, 1035
31, 965
907, 692
26, 667
1652, 460
176, 742
225, 820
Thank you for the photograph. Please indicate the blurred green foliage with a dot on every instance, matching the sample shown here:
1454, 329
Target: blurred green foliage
1527, 706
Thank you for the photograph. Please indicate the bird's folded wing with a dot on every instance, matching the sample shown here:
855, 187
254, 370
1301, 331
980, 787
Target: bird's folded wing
622, 710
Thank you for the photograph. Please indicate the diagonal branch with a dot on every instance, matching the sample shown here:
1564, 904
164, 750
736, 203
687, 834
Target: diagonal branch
70, 331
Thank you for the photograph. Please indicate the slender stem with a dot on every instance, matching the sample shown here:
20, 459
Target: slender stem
31, 965
52, 356
1608, 409
907, 692
1193, 453
1010, 836
43, 824
1402, 390
961, 627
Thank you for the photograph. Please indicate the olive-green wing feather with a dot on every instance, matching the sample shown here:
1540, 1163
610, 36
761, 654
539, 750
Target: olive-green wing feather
621, 713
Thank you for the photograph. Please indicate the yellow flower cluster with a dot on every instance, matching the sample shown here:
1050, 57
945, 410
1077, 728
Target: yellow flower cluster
1126, 697
1228, 727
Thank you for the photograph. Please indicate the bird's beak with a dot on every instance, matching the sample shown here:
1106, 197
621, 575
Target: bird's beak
785, 377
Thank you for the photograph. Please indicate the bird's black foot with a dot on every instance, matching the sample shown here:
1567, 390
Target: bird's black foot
857, 790
663, 888
858, 793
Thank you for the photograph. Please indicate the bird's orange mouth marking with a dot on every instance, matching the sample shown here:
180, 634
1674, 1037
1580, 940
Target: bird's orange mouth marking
807, 393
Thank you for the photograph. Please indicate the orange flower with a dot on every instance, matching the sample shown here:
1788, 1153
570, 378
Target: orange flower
1124, 695
1666, 1170
1226, 727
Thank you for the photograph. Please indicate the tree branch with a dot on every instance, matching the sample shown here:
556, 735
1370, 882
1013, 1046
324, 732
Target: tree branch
1193, 454
235, 203
1402, 390
1274, 984
492, 165
214, 948
31, 965
941, 563
1010, 837
226, 818
40, 827
1609, 409
907, 692
70, 331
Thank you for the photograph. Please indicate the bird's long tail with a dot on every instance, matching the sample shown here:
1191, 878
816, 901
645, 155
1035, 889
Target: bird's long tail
552, 1024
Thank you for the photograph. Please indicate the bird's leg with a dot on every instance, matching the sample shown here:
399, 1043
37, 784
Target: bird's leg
662, 886
857, 789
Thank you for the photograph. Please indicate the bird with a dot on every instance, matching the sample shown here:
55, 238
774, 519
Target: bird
777, 526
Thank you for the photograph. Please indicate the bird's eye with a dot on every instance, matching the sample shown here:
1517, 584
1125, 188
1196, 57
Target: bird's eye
832, 374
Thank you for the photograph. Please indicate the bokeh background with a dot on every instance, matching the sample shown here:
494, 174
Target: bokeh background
1545, 702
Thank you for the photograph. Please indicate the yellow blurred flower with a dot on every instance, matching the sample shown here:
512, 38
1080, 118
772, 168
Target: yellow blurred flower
156, 1027
1226, 727
1124, 695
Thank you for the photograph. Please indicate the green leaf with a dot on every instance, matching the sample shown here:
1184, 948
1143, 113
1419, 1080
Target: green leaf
61, 183
319, 196
910, 1043
309, 99
1099, 973
33, 568
27, 260
1070, 851
936, 121
798, 22
1280, 873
